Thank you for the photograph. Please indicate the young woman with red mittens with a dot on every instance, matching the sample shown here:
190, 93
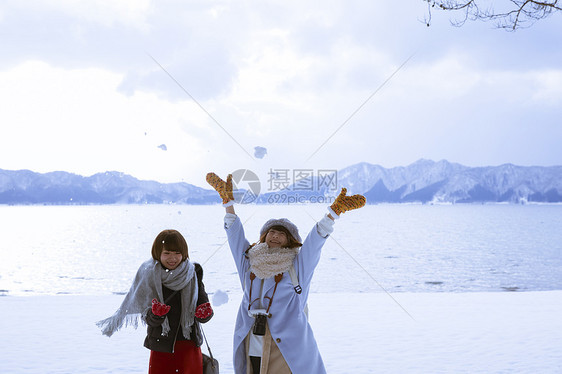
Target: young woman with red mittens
272, 334
169, 296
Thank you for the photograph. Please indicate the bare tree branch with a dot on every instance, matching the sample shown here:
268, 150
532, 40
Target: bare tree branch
518, 14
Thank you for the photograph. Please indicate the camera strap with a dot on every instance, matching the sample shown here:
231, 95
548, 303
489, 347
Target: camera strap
278, 278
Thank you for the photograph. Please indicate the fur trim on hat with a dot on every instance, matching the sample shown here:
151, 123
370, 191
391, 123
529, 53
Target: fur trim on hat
290, 226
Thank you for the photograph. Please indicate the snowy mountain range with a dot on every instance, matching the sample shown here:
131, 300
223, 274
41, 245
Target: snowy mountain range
427, 181
424, 181
27, 187
444, 182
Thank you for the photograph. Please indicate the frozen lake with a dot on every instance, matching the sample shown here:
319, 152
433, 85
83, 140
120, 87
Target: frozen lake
96, 250
446, 266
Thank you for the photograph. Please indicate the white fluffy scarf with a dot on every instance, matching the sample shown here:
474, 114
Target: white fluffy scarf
148, 285
267, 262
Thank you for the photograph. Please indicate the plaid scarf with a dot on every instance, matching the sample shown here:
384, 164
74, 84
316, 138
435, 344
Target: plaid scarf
148, 285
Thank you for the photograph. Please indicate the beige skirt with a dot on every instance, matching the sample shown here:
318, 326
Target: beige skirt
272, 361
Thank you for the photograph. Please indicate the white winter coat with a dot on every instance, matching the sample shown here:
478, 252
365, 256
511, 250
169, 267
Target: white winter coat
288, 324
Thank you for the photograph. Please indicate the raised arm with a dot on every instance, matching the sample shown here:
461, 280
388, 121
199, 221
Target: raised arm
309, 255
234, 230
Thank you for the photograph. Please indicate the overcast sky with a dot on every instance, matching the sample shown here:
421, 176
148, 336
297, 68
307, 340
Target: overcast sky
91, 86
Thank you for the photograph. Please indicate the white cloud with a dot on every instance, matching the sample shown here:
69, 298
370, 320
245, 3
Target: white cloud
548, 87
282, 75
107, 13
75, 120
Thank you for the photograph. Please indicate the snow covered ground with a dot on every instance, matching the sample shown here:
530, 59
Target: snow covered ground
492, 332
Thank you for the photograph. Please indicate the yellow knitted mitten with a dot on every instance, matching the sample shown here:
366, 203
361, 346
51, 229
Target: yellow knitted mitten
223, 188
344, 203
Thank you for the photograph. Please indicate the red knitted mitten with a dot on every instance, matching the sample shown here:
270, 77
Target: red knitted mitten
203, 311
159, 309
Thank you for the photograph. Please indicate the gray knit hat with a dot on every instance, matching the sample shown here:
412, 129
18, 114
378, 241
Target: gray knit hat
290, 226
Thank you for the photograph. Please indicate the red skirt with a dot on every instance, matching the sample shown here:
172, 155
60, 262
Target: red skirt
186, 359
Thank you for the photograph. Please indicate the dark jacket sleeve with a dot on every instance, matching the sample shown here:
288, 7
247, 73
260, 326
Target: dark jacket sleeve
152, 319
203, 304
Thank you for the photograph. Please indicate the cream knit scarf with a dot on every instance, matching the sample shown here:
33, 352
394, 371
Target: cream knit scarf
267, 262
148, 285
